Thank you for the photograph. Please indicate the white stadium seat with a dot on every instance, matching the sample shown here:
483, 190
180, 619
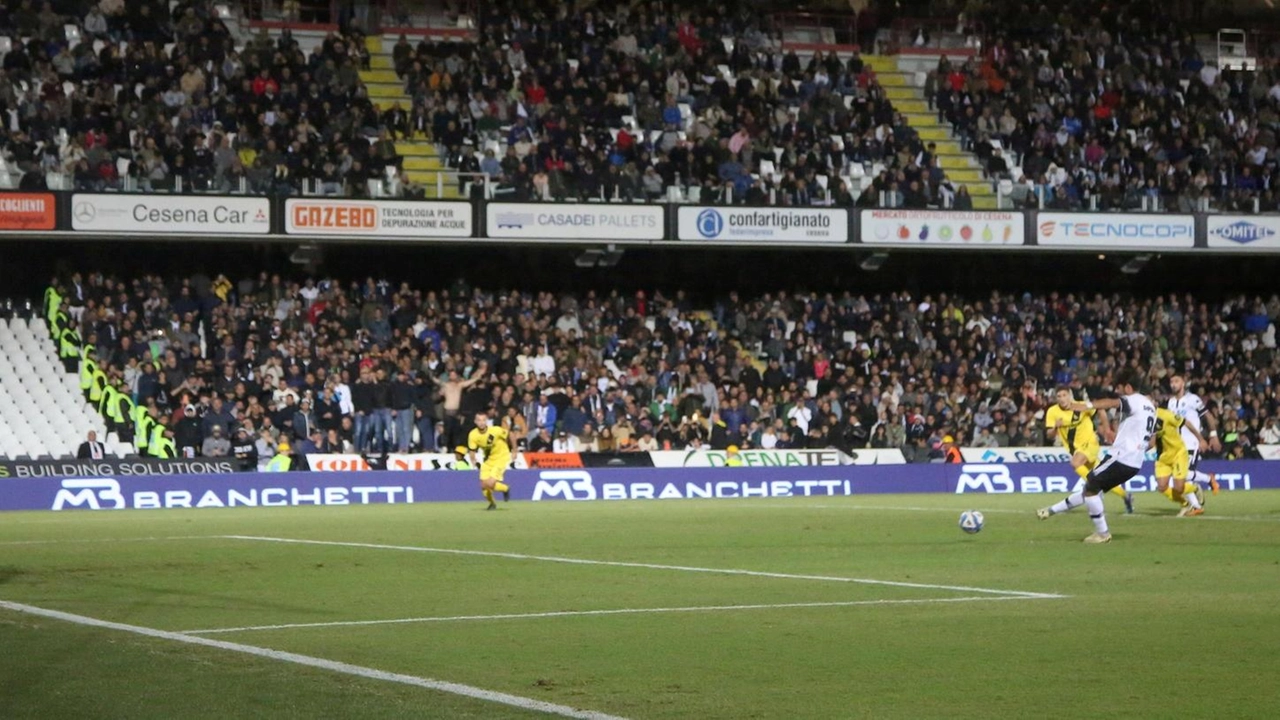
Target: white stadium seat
42, 411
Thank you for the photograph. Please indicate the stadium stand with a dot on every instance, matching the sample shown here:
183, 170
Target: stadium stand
284, 357
704, 106
1121, 110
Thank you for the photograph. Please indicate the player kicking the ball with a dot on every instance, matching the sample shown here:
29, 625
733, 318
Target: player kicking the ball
1076, 432
1127, 453
497, 456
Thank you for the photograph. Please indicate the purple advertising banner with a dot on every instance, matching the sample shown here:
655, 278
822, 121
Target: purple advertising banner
114, 492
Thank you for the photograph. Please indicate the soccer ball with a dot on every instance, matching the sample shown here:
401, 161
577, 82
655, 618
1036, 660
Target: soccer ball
971, 521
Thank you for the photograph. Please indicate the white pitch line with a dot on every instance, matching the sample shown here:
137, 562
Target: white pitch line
649, 566
622, 611
912, 508
111, 540
331, 665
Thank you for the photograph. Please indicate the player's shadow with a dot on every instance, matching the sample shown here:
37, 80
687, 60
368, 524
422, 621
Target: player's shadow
9, 572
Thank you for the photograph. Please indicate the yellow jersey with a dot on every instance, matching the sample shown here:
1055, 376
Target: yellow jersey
1168, 434
1076, 430
493, 441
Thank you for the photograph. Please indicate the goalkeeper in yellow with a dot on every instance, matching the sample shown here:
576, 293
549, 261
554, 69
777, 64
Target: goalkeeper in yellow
1173, 460
1076, 431
491, 439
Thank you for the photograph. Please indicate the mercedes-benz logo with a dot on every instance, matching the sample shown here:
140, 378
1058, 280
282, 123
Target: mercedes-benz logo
84, 212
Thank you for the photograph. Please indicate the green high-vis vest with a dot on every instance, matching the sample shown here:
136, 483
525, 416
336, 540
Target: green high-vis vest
52, 303
279, 463
98, 381
69, 343
161, 446
142, 423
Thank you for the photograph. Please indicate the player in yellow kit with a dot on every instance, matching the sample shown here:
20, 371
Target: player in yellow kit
1076, 431
1173, 460
492, 439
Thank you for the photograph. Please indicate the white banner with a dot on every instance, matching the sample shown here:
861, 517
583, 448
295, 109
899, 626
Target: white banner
1269, 452
1243, 232
377, 218
941, 227
170, 214
1118, 231
601, 222
826, 225
395, 461
1016, 455
750, 458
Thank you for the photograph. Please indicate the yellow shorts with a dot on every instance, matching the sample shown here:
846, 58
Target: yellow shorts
493, 470
1090, 450
1176, 467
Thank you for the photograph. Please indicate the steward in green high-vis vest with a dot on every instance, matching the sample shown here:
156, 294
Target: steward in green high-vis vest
281, 462
52, 304
96, 384
109, 406
460, 461
142, 422
87, 366
161, 446
69, 348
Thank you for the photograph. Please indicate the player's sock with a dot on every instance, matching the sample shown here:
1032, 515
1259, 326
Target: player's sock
1119, 490
1083, 471
1097, 514
1190, 496
1189, 488
488, 495
1200, 478
1173, 495
1074, 500
503, 488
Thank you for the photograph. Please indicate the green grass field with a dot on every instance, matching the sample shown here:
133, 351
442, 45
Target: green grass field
1176, 618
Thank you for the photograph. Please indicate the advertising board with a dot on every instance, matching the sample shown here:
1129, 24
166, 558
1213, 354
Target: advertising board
600, 222
941, 227
1150, 231
1243, 232
199, 214
28, 212
116, 492
765, 224
377, 218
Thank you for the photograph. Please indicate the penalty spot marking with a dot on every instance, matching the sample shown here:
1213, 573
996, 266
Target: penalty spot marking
651, 566
315, 662
622, 611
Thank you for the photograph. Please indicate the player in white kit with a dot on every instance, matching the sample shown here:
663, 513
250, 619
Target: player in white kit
1127, 453
1188, 406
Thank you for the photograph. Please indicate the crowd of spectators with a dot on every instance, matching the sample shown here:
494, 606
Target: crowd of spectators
1113, 103
336, 366
615, 102
628, 100
162, 100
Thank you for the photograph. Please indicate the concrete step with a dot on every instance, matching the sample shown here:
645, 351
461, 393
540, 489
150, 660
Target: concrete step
910, 105
386, 91
428, 180
932, 134
881, 63
901, 93
973, 175
382, 62
380, 76
373, 43
414, 148
422, 162
895, 79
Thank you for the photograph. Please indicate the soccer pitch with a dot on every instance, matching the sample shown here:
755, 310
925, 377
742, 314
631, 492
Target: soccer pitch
868, 606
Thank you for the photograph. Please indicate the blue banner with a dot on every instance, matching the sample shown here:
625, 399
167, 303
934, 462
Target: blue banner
114, 492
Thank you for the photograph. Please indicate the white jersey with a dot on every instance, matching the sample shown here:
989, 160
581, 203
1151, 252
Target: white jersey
1134, 435
1190, 408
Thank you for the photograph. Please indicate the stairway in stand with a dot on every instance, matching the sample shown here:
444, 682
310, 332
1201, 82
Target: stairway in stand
422, 164
961, 167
